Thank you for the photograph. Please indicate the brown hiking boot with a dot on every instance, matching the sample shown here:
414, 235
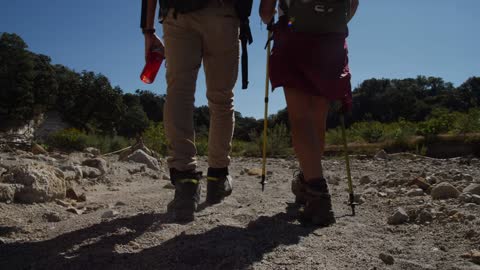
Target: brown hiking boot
298, 187
219, 185
318, 208
187, 194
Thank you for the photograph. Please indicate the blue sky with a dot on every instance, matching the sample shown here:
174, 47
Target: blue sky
389, 39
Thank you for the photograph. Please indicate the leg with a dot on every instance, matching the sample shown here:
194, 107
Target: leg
307, 116
219, 27
221, 59
183, 51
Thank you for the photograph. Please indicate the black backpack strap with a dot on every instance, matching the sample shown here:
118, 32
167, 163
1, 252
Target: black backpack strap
143, 17
244, 9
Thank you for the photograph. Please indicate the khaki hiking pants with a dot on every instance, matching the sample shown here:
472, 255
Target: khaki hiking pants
209, 35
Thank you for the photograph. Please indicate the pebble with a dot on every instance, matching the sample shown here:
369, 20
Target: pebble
387, 258
333, 180
365, 180
399, 217
472, 189
476, 199
415, 192
74, 210
425, 216
444, 190
110, 214
52, 217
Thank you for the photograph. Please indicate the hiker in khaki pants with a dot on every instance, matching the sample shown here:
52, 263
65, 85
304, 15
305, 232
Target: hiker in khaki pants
197, 31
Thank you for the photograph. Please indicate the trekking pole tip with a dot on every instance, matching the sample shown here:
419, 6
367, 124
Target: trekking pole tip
263, 182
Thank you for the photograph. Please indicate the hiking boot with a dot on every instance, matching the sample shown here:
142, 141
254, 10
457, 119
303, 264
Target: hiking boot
187, 194
318, 208
219, 185
298, 187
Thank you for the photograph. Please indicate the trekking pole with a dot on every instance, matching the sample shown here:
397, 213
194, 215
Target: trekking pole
265, 121
351, 197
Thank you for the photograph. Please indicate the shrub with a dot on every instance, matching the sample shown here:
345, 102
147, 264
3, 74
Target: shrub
201, 144
68, 139
371, 132
155, 139
278, 142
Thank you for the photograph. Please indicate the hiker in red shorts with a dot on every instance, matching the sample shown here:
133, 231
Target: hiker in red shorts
309, 60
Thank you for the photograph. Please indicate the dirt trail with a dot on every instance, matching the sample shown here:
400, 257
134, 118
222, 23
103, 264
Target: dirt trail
250, 229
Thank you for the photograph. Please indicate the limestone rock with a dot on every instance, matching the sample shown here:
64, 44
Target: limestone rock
98, 163
333, 180
399, 217
110, 214
444, 190
140, 156
92, 150
381, 155
7, 192
476, 199
38, 183
52, 217
415, 192
37, 150
472, 189
90, 172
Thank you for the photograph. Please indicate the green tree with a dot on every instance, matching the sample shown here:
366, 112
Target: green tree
16, 81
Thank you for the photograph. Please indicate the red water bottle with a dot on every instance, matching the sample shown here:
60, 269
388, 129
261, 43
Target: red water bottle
154, 61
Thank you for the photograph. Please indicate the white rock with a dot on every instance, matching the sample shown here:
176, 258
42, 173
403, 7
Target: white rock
7, 192
110, 214
92, 150
444, 190
89, 172
476, 199
141, 157
381, 155
399, 217
98, 163
333, 180
472, 189
415, 192
38, 183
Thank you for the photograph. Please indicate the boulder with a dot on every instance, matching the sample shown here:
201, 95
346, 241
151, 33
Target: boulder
444, 190
140, 156
36, 183
472, 189
98, 163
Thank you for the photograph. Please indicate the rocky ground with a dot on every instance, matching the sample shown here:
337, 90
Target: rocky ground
84, 211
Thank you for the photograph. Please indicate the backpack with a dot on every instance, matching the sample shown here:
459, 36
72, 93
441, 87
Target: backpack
242, 7
317, 16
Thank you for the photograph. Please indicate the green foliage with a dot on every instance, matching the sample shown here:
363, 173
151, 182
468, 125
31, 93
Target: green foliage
278, 142
75, 140
154, 138
68, 140
467, 122
370, 132
134, 122
17, 97
202, 146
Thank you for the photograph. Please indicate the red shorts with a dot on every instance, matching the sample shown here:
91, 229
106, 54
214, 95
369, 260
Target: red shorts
317, 64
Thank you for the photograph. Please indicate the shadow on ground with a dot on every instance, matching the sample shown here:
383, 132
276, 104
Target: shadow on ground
223, 247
